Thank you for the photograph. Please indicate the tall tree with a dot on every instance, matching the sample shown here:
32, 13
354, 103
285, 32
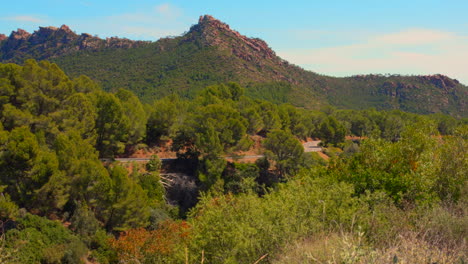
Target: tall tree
135, 114
26, 166
128, 202
332, 131
285, 150
112, 126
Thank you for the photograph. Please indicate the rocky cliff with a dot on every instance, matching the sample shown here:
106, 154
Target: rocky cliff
213, 32
51, 42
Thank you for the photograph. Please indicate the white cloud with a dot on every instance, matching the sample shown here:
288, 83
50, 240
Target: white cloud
415, 37
24, 18
412, 51
168, 10
149, 24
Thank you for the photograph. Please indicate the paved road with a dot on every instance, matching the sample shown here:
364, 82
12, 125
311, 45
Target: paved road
124, 160
310, 146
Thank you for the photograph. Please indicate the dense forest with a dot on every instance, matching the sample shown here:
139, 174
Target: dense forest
393, 188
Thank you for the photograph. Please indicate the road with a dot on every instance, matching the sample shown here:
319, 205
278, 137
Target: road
312, 146
309, 146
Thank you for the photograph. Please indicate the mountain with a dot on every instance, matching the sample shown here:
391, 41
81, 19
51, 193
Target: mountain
211, 52
52, 42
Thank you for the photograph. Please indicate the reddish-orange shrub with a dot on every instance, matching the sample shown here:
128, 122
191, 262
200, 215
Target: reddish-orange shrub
139, 244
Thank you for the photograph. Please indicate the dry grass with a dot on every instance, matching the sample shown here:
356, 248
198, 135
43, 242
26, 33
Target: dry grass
337, 248
413, 249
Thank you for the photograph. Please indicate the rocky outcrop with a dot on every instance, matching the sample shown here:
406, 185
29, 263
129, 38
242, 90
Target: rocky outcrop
50, 42
440, 81
15, 39
3, 37
212, 32
397, 89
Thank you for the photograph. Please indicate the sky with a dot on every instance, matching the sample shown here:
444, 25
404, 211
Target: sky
333, 37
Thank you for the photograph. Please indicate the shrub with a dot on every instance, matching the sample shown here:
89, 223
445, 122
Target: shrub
241, 229
40, 240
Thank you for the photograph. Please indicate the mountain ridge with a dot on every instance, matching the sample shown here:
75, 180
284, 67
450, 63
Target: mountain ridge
211, 52
63, 39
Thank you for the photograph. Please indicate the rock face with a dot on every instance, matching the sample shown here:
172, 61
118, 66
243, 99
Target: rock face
51, 42
397, 89
213, 32
3, 37
441, 81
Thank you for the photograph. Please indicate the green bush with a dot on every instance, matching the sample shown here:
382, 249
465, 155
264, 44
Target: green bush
240, 229
40, 240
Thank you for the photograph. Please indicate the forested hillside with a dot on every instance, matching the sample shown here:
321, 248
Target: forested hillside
212, 53
395, 193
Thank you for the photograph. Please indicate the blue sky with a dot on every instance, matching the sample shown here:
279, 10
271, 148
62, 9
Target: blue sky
334, 37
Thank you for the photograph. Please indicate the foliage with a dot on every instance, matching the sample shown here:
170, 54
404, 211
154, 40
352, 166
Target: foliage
231, 229
331, 131
395, 186
285, 150
154, 164
41, 240
112, 125
164, 118
8, 209
410, 170
156, 246
241, 178
185, 65
27, 168
84, 223
135, 114
128, 202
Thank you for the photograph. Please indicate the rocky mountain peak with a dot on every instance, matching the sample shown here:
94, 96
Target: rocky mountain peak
209, 21
53, 42
212, 32
3, 37
65, 28
441, 81
48, 31
19, 34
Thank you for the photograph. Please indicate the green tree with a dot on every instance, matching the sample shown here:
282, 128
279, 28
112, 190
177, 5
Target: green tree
26, 166
8, 209
285, 150
112, 126
88, 181
241, 177
165, 116
332, 131
77, 114
39, 240
406, 170
270, 117
391, 127
84, 223
128, 203
452, 179
134, 113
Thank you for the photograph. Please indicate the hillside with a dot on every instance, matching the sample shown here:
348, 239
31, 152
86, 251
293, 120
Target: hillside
209, 53
394, 193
